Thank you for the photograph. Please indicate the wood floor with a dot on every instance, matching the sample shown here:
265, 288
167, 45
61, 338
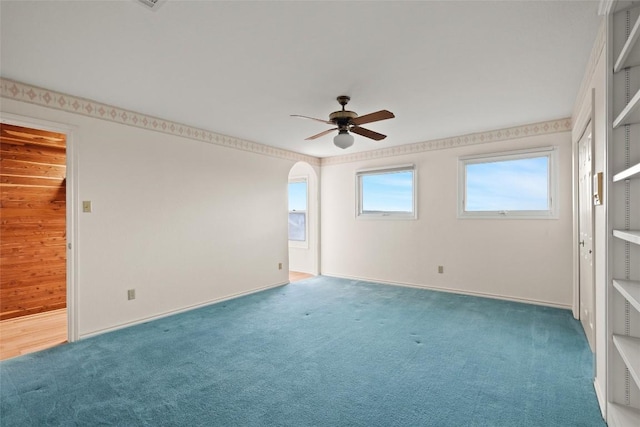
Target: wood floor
23, 335
294, 276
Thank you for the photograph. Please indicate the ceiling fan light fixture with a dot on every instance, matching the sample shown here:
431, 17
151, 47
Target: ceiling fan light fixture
345, 121
343, 139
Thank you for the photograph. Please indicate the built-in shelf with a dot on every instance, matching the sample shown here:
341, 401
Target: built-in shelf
632, 236
621, 63
630, 173
623, 295
622, 416
629, 349
630, 290
630, 114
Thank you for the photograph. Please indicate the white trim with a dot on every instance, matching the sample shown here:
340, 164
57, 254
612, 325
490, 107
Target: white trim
71, 205
552, 213
601, 400
182, 310
587, 126
413, 215
508, 155
453, 291
396, 168
606, 7
594, 57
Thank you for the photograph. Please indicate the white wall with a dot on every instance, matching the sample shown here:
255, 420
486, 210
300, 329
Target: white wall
303, 256
181, 221
517, 259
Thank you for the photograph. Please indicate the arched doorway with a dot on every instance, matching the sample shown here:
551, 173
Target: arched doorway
303, 220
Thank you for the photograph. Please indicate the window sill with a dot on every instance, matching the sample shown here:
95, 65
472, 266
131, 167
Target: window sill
387, 217
299, 245
507, 215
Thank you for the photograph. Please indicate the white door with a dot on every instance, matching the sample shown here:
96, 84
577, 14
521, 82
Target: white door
585, 227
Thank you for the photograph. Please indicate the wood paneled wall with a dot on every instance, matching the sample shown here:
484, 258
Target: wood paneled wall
33, 221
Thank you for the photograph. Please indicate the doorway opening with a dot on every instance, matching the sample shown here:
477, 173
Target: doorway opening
303, 222
33, 231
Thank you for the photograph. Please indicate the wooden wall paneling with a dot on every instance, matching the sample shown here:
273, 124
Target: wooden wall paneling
32, 221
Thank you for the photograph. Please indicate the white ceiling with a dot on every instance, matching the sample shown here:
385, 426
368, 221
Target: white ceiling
241, 68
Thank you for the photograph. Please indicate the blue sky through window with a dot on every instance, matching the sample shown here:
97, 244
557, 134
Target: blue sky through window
510, 185
298, 196
387, 192
298, 203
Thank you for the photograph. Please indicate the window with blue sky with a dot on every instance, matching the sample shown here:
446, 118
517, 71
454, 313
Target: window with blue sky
518, 184
298, 211
387, 192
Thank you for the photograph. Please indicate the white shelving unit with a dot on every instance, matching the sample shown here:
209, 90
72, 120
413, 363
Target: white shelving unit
623, 59
623, 249
630, 290
629, 349
630, 114
632, 236
629, 173
621, 415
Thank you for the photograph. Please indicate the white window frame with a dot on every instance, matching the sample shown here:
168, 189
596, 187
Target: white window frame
552, 181
303, 244
387, 215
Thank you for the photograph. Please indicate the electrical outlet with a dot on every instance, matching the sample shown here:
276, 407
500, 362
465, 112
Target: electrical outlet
279, 266
440, 269
131, 294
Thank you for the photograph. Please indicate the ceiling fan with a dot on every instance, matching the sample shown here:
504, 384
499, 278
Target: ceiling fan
348, 121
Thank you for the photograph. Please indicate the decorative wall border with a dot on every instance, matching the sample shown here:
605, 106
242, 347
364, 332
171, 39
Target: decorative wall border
542, 128
12, 89
35, 95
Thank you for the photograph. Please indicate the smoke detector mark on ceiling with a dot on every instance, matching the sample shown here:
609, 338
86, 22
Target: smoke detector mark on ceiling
151, 4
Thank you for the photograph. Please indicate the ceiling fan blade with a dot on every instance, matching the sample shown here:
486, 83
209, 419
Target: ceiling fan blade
312, 118
373, 117
320, 134
367, 133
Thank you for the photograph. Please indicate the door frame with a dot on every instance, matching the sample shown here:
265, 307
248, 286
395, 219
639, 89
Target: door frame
583, 123
71, 207
590, 227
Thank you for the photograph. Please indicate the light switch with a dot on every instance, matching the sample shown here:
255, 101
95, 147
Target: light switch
86, 206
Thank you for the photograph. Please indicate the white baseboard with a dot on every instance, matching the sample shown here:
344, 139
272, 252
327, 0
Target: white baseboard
180, 310
455, 291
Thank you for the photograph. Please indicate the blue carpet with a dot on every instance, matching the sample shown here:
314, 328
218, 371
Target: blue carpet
321, 352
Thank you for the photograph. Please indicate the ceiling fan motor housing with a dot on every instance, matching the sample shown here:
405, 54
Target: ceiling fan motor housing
342, 118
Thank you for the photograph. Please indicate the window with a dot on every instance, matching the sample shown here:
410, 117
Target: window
387, 193
517, 184
298, 210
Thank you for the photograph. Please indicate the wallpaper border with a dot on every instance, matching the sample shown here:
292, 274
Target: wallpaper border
15, 90
541, 128
12, 89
